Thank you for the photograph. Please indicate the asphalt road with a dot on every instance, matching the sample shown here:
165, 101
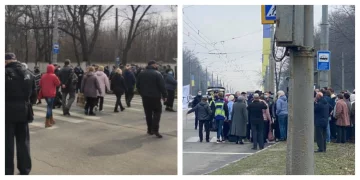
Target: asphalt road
202, 158
107, 144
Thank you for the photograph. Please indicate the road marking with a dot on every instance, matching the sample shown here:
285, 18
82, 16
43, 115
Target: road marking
42, 125
133, 109
197, 139
219, 153
66, 119
73, 114
32, 132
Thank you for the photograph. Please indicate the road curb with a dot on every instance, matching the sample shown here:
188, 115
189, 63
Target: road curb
239, 159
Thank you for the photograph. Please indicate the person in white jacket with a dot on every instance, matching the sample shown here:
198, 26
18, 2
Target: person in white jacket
104, 85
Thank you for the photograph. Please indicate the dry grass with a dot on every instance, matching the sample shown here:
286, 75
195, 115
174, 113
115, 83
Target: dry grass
338, 160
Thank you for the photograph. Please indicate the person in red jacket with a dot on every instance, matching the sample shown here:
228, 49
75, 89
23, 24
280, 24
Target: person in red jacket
48, 85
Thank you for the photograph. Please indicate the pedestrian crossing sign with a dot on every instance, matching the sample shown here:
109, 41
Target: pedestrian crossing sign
268, 14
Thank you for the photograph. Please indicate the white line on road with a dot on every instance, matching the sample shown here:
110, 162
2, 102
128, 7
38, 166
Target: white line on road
42, 125
74, 114
219, 153
66, 119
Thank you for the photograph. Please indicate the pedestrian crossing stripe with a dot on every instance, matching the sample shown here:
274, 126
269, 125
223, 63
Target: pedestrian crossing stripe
73, 114
66, 119
197, 139
42, 125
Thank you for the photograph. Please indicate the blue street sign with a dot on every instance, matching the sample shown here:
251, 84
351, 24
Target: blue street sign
118, 61
56, 48
323, 60
270, 12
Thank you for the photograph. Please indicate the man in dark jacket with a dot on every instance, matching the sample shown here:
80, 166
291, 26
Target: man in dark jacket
68, 86
151, 87
107, 71
257, 121
170, 85
79, 73
196, 101
20, 94
321, 117
130, 82
204, 113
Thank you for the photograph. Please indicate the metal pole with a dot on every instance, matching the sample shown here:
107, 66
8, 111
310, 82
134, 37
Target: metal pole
272, 63
207, 84
116, 51
55, 33
199, 77
212, 78
190, 75
323, 76
342, 72
302, 159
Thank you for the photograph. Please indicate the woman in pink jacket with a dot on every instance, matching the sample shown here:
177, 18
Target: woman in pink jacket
104, 85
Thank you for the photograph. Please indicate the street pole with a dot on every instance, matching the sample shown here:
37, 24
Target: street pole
342, 72
116, 50
212, 78
217, 80
207, 84
323, 76
302, 150
190, 75
55, 33
199, 78
272, 62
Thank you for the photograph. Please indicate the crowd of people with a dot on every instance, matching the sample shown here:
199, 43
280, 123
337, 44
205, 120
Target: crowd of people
263, 117
25, 88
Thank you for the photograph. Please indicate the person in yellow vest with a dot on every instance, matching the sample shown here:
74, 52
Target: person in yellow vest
221, 114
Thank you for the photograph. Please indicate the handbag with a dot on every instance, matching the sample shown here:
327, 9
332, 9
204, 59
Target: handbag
80, 101
270, 134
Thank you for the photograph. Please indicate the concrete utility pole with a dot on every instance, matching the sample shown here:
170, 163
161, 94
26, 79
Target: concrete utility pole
217, 80
55, 33
324, 76
302, 147
272, 62
116, 50
342, 72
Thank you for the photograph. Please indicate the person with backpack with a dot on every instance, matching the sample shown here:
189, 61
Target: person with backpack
20, 94
204, 113
221, 114
68, 86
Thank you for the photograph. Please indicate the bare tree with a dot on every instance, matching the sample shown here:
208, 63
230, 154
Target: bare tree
281, 72
133, 29
79, 16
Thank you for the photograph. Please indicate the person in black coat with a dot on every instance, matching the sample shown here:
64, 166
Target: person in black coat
257, 121
79, 73
130, 82
151, 86
204, 114
195, 102
118, 86
321, 118
20, 95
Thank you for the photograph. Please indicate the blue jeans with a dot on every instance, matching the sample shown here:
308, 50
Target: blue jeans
283, 123
328, 132
50, 102
220, 124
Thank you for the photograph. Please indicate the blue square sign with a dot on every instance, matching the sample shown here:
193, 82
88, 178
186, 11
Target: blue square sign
323, 60
270, 12
56, 48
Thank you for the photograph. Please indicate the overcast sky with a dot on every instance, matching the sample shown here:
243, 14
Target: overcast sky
219, 23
